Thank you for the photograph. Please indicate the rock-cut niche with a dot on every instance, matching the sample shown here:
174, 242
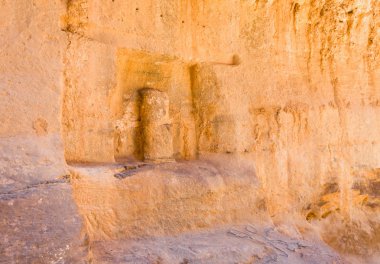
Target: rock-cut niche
146, 115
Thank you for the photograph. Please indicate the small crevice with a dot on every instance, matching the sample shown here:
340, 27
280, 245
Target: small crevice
32, 186
130, 170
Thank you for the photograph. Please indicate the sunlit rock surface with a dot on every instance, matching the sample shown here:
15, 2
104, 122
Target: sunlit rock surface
258, 113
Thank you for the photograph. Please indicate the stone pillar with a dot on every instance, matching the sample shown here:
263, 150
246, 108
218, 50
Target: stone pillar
156, 126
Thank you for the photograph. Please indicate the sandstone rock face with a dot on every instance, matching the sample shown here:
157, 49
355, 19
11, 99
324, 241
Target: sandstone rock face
289, 88
39, 219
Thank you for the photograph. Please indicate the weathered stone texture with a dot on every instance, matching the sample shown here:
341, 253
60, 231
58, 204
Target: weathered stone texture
293, 85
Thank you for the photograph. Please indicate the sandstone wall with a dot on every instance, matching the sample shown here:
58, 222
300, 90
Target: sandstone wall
296, 83
31, 82
303, 96
39, 219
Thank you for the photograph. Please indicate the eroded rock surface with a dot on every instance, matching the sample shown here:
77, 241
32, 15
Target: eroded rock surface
40, 224
284, 96
237, 244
